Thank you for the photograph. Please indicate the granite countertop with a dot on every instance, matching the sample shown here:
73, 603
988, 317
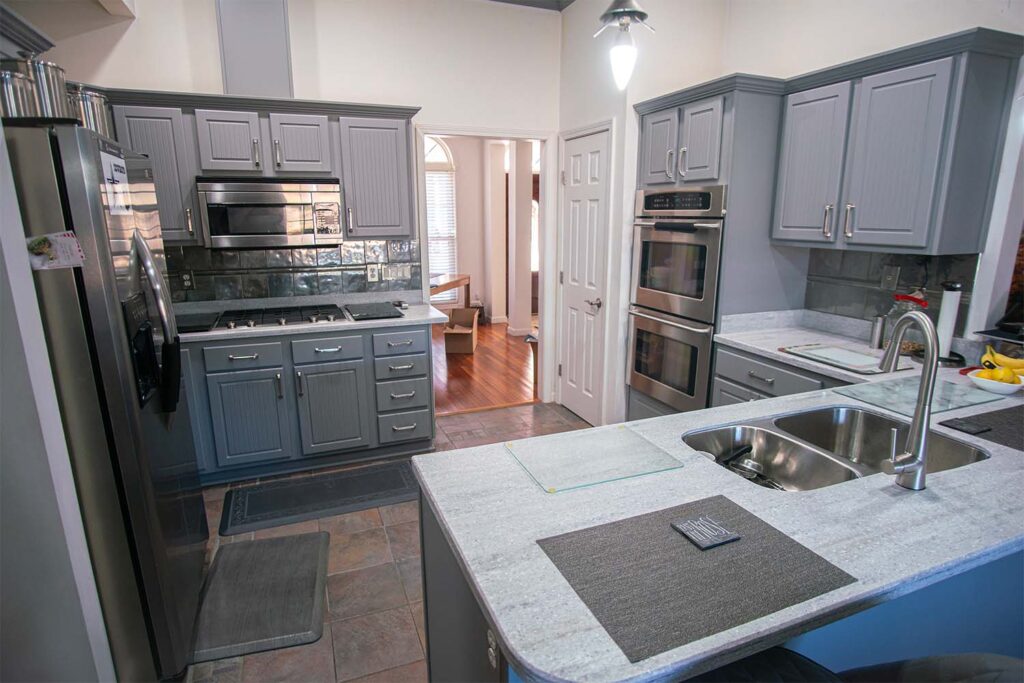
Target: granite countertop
493, 512
416, 314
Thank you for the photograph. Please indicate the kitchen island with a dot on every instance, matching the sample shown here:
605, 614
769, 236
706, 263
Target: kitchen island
490, 513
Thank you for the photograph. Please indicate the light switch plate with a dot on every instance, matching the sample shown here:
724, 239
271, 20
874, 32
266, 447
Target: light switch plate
890, 278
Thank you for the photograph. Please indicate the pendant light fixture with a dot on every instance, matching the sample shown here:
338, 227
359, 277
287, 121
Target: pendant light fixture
622, 14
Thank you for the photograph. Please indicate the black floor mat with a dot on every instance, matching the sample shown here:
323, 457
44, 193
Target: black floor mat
287, 501
263, 595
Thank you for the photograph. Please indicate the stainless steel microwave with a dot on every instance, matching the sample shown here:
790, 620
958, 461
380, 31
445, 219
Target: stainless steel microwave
240, 213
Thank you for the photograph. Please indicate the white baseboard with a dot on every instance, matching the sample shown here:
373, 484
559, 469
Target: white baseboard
519, 331
499, 319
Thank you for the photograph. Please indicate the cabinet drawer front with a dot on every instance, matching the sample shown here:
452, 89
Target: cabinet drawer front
403, 394
242, 356
401, 366
764, 377
327, 349
394, 343
408, 426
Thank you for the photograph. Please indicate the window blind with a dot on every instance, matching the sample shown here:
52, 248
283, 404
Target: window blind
441, 228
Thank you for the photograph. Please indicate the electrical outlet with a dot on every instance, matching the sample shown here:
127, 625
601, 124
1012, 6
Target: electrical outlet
890, 278
187, 281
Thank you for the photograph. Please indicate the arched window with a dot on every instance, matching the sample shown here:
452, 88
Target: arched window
440, 196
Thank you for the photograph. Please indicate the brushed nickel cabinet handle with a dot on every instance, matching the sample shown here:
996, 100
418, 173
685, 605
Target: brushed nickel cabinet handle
277, 153
669, 165
397, 368
280, 385
405, 428
348, 210
188, 221
299, 384
766, 380
407, 342
253, 356
682, 162
826, 222
333, 349
399, 396
256, 152
848, 222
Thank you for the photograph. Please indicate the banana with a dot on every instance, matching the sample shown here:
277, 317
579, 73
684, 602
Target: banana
988, 360
1006, 361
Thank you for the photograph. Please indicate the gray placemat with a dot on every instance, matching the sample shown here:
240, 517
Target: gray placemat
653, 590
263, 595
1006, 427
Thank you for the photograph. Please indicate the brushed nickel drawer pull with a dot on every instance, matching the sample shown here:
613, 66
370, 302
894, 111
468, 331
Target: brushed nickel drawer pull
670, 156
826, 222
398, 368
188, 221
408, 395
277, 152
333, 349
848, 222
407, 342
766, 380
256, 152
682, 162
253, 356
405, 428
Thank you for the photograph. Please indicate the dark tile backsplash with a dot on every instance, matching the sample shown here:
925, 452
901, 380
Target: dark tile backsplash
352, 267
861, 284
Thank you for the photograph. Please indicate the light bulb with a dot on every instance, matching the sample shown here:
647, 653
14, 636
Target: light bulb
623, 58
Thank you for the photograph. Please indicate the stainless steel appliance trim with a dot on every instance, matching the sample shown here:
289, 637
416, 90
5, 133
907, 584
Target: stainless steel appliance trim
717, 209
699, 338
247, 198
265, 185
709, 235
159, 286
253, 241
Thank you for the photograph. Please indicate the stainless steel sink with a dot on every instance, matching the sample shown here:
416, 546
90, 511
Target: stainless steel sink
792, 465
863, 437
819, 447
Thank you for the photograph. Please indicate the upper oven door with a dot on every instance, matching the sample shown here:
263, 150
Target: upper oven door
257, 219
669, 360
675, 267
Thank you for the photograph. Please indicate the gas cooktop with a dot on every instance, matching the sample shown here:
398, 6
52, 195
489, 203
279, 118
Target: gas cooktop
293, 315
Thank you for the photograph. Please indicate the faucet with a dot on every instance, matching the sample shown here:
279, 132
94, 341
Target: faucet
909, 466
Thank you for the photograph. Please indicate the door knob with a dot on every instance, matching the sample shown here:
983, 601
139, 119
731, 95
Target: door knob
596, 303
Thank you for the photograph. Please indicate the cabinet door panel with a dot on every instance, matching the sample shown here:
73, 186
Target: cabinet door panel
811, 164
250, 416
659, 134
160, 133
377, 175
725, 393
333, 410
300, 142
700, 141
893, 156
229, 140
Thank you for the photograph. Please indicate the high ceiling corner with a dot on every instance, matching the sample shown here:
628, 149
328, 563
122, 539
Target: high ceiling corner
553, 5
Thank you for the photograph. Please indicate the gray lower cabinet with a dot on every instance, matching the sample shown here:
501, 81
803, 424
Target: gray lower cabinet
251, 416
700, 141
229, 140
726, 393
334, 413
740, 377
159, 132
377, 176
811, 164
300, 142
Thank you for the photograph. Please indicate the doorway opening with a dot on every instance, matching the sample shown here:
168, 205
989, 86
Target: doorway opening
481, 202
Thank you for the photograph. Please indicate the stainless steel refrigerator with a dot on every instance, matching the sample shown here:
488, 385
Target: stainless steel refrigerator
114, 351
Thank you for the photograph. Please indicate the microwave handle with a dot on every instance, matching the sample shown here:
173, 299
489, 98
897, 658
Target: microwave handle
695, 330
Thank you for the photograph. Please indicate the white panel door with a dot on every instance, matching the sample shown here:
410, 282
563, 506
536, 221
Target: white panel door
584, 243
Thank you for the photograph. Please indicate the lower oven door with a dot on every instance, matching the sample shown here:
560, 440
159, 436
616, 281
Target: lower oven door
669, 359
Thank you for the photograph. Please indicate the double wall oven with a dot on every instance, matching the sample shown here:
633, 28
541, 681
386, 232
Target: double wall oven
676, 253
257, 212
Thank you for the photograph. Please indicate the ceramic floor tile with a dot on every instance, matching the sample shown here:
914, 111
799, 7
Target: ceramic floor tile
411, 571
358, 550
410, 673
287, 530
214, 511
214, 493
300, 664
220, 671
404, 540
401, 513
374, 643
419, 619
351, 522
364, 591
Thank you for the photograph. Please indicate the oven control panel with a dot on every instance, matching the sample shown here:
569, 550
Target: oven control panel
678, 201
693, 202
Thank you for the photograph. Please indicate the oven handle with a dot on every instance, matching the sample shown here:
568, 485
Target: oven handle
676, 224
695, 330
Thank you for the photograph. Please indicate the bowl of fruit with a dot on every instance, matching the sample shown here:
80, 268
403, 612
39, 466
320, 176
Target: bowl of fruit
999, 374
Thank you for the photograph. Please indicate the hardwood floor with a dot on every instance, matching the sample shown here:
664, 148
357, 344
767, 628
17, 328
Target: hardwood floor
500, 373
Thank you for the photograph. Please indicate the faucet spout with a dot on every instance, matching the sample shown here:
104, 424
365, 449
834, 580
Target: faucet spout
909, 466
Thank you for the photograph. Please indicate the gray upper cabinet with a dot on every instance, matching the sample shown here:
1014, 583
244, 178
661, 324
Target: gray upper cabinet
659, 134
159, 133
229, 141
377, 175
300, 142
811, 164
896, 141
700, 141
251, 417
334, 413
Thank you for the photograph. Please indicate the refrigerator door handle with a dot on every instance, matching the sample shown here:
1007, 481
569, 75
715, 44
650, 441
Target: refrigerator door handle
170, 371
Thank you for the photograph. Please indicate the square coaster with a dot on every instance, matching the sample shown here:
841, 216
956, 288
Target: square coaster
704, 532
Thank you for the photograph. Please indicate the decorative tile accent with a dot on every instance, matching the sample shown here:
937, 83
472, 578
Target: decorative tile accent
329, 282
352, 253
302, 258
305, 283
399, 251
328, 257
376, 251
279, 258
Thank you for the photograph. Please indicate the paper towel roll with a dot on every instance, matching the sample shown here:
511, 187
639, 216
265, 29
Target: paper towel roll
948, 310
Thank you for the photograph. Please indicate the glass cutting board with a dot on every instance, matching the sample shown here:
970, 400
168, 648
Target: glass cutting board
900, 395
572, 460
842, 357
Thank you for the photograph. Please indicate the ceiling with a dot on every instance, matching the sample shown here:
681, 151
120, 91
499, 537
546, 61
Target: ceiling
554, 5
